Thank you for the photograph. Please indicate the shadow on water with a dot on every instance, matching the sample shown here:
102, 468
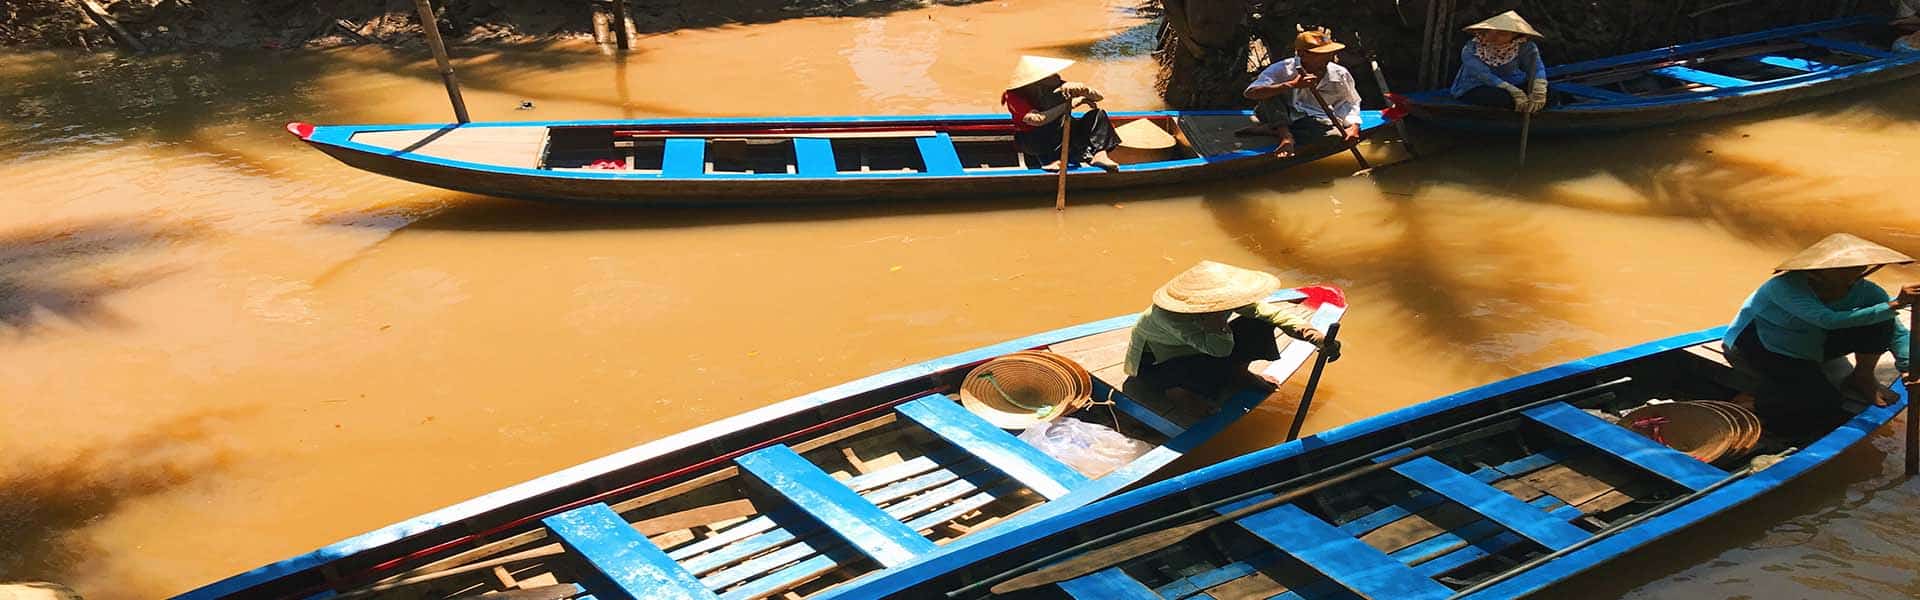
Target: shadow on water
1484, 300
1138, 40
44, 502
1768, 200
53, 271
662, 16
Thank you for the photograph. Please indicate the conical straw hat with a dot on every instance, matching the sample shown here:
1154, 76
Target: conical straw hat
1024, 389
1035, 68
1696, 429
1144, 135
1842, 250
1213, 287
1507, 21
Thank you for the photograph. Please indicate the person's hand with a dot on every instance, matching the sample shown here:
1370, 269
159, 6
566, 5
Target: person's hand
1909, 294
1521, 103
1352, 133
1304, 79
1330, 349
1537, 96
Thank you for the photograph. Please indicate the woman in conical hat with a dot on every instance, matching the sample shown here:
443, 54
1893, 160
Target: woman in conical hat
1038, 98
1205, 325
1819, 306
1501, 66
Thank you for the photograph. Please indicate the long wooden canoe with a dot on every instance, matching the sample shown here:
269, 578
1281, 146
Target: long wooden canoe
1495, 492
779, 160
1696, 81
789, 500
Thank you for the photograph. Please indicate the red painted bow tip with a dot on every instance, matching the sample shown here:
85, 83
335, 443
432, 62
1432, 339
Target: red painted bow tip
300, 129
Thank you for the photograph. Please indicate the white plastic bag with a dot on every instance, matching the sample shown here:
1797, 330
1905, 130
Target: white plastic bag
1089, 448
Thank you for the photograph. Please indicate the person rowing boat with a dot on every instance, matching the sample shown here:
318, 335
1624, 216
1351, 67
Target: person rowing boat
1286, 91
1206, 325
1500, 59
1038, 98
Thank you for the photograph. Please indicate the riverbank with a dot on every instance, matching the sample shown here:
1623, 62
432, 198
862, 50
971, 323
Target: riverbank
181, 25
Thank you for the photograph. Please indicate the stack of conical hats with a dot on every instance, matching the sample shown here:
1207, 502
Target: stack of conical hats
1708, 430
1023, 389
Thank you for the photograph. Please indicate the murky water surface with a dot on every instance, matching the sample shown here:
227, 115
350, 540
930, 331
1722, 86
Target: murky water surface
219, 348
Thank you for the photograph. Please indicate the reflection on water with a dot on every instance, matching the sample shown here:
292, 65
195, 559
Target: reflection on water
228, 349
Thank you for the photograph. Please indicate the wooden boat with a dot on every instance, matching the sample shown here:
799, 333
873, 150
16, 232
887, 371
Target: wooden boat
1495, 492
1696, 81
787, 500
776, 160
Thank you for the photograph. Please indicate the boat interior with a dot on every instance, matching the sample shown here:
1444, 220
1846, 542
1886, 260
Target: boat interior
1731, 67
893, 478
1516, 490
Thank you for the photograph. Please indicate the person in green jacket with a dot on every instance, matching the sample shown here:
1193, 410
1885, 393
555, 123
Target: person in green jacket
1206, 325
1819, 306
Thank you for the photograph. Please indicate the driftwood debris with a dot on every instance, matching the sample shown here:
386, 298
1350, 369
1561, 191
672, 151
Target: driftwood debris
99, 15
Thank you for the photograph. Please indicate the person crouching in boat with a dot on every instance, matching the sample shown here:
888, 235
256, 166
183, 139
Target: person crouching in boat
1818, 307
1287, 107
1206, 325
1501, 66
1038, 98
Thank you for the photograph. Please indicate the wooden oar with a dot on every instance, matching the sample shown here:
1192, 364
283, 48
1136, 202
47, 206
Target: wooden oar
1342, 125
1380, 77
1526, 129
1313, 383
1457, 433
1066, 142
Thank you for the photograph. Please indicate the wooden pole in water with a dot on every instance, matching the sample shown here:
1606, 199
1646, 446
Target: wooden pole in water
1913, 415
1313, 383
620, 24
431, 25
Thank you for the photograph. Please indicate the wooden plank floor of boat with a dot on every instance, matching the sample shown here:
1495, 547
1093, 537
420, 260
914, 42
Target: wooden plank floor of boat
1213, 134
503, 146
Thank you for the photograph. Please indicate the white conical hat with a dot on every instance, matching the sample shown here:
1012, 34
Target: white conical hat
1213, 287
1035, 68
1842, 250
1507, 21
1143, 134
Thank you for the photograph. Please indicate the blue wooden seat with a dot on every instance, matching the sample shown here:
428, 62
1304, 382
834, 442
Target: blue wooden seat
624, 565
684, 157
813, 157
1587, 91
1843, 46
1420, 502
1339, 556
1491, 503
1632, 447
863, 525
1043, 474
938, 154
1108, 584
1135, 409
1482, 547
1797, 64
1701, 77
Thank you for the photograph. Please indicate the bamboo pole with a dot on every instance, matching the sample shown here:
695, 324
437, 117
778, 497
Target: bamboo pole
620, 24
431, 25
1913, 415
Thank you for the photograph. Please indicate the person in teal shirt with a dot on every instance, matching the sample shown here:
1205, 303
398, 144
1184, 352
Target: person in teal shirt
1206, 325
1817, 307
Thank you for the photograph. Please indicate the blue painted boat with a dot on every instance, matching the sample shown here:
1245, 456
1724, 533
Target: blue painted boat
789, 500
782, 160
1696, 81
1494, 492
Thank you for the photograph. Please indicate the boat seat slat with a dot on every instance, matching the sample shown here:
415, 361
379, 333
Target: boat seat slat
684, 157
1489, 545
624, 564
758, 525
964, 506
1797, 64
1403, 509
921, 483
1138, 411
1632, 447
834, 505
1342, 557
939, 155
784, 579
1592, 92
1701, 77
1844, 46
814, 157
1490, 502
1042, 473
1110, 583
803, 549
1469, 533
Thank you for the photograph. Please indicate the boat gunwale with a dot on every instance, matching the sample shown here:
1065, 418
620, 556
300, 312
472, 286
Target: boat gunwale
603, 466
340, 136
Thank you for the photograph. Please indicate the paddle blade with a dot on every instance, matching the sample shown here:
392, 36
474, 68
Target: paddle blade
1102, 558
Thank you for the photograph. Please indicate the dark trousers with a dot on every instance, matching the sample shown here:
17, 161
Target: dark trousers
1491, 97
1205, 375
1306, 129
1801, 404
1092, 132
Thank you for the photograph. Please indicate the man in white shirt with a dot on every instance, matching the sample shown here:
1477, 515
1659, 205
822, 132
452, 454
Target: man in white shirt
1288, 108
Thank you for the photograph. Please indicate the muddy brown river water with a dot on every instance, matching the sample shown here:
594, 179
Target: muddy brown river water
219, 348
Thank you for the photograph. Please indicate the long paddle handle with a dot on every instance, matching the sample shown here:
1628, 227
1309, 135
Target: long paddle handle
1526, 131
1380, 77
1313, 383
1913, 415
1444, 433
1340, 123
